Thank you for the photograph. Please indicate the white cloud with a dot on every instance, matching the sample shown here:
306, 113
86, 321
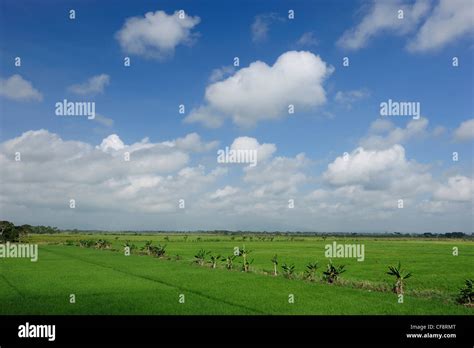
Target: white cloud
224, 192
92, 86
381, 125
389, 136
263, 92
383, 17
264, 151
112, 142
53, 170
192, 143
308, 39
19, 89
261, 26
450, 20
347, 98
157, 34
279, 177
143, 193
220, 73
459, 189
465, 131
378, 170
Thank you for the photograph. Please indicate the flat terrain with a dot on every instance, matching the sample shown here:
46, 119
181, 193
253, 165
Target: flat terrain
108, 282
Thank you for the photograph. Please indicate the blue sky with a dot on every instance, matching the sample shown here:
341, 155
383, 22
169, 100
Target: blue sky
403, 60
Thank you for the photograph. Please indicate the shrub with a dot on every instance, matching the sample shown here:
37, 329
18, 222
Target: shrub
158, 251
333, 272
288, 270
310, 272
466, 293
200, 257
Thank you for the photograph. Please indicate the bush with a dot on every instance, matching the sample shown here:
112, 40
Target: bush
288, 270
333, 272
466, 293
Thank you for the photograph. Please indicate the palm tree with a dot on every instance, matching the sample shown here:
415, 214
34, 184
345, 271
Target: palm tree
310, 273
200, 257
159, 250
275, 264
128, 244
214, 260
148, 248
400, 275
333, 272
244, 253
288, 270
229, 262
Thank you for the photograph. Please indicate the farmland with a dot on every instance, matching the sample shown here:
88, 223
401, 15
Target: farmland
109, 282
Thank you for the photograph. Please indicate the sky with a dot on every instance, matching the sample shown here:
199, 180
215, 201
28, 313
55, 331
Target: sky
204, 76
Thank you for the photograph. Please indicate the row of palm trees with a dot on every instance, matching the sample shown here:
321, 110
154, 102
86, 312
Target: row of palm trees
331, 275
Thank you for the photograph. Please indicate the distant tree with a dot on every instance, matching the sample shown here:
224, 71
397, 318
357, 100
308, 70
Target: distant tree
8, 232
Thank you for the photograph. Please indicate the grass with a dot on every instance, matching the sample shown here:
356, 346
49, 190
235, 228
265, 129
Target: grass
107, 282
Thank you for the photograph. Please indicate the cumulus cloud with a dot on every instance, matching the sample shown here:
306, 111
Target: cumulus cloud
382, 17
450, 20
281, 176
458, 188
262, 92
378, 169
264, 151
17, 88
157, 34
261, 26
383, 134
144, 193
465, 131
94, 85
53, 170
